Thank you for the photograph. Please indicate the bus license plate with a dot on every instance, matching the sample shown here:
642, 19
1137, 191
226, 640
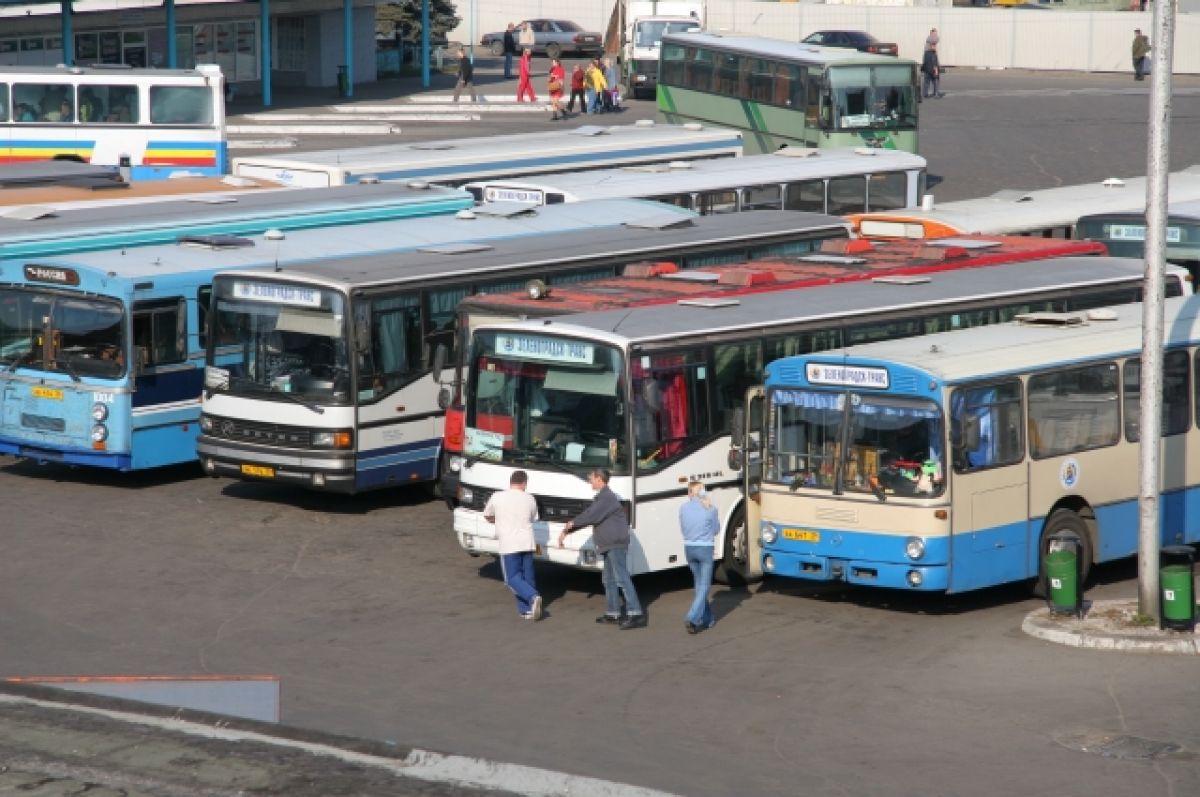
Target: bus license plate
802, 535
47, 393
259, 470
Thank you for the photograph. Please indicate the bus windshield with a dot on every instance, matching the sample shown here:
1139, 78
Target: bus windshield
291, 338
650, 33
66, 334
537, 399
873, 97
881, 444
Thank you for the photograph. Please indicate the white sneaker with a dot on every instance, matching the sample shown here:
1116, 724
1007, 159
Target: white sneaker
535, 611
527, 616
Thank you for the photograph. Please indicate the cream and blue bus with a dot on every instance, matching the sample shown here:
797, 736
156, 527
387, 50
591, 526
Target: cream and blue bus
948, 463
156, 122
781, 93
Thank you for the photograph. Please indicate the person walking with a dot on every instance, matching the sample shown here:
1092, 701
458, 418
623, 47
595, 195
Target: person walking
698, 523
577, 90
932, 39
931, 73
612, 78
1141, 49
510, 49
558, 76
610, 537
524, 86
527, 38
466, 76
513, 512
596, 86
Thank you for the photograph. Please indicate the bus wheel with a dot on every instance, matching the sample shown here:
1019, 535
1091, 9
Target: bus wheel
733, 567
1063, 521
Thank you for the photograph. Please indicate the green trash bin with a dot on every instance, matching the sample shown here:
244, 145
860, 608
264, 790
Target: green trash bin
1177, 601
1062, 579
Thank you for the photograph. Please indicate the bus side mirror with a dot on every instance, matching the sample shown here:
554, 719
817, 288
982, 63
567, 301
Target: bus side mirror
439, 362
970, 433
443, 399
736, 459
362, 333
737, 426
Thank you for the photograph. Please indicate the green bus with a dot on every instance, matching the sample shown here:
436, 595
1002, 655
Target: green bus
782, 93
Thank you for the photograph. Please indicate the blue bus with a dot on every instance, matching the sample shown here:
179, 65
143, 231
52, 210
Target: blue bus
102, 353
958, 461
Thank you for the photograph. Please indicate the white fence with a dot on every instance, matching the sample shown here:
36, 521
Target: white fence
970, 37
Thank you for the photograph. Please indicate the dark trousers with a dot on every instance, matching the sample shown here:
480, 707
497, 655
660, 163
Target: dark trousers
582, 102
508, 66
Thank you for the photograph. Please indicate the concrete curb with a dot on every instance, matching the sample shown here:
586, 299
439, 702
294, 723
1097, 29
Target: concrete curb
1105, 627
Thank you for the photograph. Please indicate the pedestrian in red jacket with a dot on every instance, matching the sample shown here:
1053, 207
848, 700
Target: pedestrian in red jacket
524, 86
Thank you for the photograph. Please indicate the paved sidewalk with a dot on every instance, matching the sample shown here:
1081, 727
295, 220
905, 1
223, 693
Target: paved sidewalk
1108, 625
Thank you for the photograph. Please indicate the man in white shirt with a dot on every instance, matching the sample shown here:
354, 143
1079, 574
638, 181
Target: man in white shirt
513, 511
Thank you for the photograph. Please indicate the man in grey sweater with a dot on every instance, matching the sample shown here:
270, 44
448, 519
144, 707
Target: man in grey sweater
610, 537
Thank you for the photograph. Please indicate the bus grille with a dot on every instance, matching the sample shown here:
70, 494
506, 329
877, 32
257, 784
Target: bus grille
551, 508
267, 434
43, 423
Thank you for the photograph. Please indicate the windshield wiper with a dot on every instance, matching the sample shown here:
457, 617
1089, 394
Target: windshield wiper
19, 360
529, 456
308, 405
66, 366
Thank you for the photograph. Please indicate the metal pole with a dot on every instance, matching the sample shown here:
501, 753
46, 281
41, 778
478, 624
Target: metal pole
348, 43
425, 43
68, 35
1150, 401
264, 29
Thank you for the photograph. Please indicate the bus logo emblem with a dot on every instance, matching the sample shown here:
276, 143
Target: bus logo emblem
1068, 474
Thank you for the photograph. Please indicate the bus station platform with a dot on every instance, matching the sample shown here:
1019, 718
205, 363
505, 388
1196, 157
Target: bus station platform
54, 742
1109, 625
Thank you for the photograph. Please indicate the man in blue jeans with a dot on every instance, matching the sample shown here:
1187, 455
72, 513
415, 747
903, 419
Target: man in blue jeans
698, 522
513, 511
510, 49
610, 537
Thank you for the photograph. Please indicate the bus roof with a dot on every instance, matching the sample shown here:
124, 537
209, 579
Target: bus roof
353, 251
785, 165
1015, 347
837, 304
57, 172
1176, 212
839, 260
780, 49
235, 210
581, 244
110, 71
1012, 212
519, 153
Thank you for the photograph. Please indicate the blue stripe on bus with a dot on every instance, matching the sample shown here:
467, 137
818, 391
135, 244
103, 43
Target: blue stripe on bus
564, 160
400, 464
168, 387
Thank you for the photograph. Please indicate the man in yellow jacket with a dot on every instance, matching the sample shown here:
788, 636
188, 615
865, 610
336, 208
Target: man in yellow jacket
594, 86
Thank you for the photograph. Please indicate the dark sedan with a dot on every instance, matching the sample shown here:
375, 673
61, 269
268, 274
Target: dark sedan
854, 39
552, 37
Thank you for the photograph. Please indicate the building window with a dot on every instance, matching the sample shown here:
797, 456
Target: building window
289, 47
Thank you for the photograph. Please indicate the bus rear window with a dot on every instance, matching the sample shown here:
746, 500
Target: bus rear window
181, 105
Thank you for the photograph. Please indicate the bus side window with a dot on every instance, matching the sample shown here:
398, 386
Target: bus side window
160, 330
985, 426
3, 102
392, 352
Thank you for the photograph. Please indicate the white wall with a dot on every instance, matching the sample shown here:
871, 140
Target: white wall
322, 70
971, 37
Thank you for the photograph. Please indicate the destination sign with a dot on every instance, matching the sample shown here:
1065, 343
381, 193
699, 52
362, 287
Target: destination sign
493, 194
536, 347
847, 375
1137, 232
52, 274
297, 295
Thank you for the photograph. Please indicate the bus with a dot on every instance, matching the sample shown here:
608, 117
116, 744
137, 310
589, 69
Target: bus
102, 353
948, 463
1125, 233
1049, 212
39, 230
781, 93
156, 122
457, 161
382, 330
835, 181
651, 393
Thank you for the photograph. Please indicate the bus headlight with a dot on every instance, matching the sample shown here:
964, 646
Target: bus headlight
206, 424
914, 548
915, 579
99, 412
465, 494
767, 533
99, 433
456, 464
342, 439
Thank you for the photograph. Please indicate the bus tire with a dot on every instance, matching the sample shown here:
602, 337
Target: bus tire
497, 47
1063, 521
733, 568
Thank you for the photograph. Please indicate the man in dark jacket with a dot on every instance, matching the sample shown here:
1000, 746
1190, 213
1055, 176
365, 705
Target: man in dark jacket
610, 537
466, 75
510, 49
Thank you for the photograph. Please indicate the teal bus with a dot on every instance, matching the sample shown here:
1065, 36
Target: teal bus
782, 93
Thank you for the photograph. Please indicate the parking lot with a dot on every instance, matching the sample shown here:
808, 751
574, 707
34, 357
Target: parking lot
379, 626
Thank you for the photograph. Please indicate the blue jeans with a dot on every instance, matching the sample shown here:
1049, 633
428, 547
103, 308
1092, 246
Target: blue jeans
508, 66
616, 581
518, 576
700, 560
590, 107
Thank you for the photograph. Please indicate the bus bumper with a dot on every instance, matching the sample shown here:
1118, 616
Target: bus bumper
914, 576
69, 456
478, 538
328, 471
